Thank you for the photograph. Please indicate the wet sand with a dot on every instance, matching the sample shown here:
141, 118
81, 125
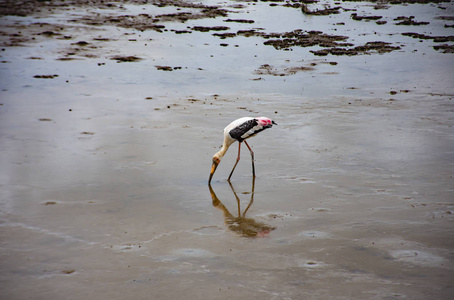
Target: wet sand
110, 114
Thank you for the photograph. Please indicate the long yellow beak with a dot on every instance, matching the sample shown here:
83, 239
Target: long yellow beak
213, 169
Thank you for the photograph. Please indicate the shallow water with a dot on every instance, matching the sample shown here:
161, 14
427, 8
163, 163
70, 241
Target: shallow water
104, 168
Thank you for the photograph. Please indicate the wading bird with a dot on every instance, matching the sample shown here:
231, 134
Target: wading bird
240, 130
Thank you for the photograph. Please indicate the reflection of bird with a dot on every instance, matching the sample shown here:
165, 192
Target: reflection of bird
246, 227
240, 130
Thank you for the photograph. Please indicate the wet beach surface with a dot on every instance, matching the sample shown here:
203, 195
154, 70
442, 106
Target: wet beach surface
110, 113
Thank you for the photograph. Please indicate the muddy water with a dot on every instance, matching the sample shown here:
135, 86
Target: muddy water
108, 126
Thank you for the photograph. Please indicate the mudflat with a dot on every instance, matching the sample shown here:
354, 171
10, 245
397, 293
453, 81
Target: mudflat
110, 113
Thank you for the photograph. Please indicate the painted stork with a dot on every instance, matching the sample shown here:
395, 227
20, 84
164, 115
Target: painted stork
240, 130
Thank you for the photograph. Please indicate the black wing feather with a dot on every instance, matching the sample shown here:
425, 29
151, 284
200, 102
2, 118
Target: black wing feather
240, 130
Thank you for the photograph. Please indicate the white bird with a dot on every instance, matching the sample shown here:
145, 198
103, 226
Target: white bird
240, 130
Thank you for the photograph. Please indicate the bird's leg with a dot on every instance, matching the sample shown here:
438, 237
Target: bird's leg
237, 160
252, 156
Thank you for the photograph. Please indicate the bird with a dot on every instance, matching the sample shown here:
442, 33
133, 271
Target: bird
240, 130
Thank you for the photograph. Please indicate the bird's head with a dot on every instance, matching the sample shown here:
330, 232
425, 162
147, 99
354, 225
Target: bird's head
216, 161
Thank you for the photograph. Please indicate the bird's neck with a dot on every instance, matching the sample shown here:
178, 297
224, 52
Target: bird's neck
225, 147
222, 152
